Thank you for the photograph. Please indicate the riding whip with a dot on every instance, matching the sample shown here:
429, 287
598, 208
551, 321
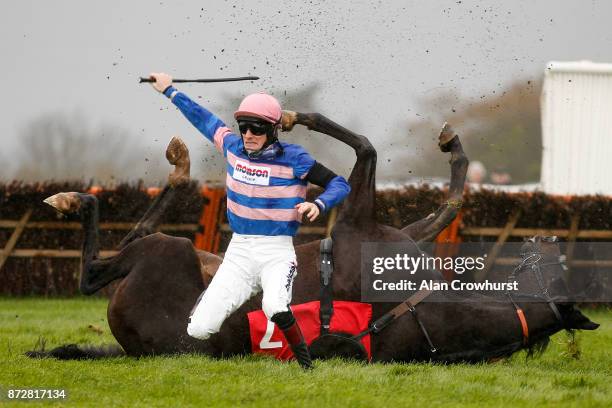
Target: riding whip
246, 78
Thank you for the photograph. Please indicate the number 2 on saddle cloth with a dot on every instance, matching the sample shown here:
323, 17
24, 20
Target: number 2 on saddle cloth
348, 320
331, 329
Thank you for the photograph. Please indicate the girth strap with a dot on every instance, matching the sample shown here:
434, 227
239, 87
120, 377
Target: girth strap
326, 295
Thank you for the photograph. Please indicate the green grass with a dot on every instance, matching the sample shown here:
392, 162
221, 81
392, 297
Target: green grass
552, 379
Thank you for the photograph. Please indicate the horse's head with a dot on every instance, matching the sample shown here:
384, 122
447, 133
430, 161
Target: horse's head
541, 271
540, 275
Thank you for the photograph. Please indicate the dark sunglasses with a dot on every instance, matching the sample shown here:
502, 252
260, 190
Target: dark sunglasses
258, 129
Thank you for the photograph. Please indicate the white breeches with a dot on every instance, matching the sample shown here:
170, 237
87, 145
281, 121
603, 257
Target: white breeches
252, 263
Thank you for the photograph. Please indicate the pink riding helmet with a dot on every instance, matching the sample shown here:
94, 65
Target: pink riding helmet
260, 105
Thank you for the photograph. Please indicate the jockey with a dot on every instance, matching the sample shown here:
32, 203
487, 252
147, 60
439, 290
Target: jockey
266, 189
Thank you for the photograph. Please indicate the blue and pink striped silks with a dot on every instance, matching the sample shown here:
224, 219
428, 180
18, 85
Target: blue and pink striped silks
261, 193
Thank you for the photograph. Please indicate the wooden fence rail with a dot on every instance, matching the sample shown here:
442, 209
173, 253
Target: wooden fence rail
23, 224
54, 253
529, 232
103, 226
509, 230
20, 225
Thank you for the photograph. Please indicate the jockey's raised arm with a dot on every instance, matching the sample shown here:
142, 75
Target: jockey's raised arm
209, 124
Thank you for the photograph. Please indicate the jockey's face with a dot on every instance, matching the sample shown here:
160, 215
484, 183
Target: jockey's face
254, 134
253, 143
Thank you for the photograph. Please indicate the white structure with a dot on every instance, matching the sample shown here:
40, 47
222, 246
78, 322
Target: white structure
576, 108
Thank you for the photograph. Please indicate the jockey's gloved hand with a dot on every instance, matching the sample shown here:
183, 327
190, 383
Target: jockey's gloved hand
162, 81
311, 209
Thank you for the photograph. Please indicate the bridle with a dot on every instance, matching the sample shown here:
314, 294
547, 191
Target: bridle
532, 260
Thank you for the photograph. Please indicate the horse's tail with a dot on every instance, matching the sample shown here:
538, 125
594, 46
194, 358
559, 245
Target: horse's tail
75, 352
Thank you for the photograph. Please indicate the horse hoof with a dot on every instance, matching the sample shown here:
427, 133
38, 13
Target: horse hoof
178, 155
177, 151
447, 135
288, 120
66, 203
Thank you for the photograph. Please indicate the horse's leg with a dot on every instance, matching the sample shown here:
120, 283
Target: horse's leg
95, 273
359, 206
177, 155
429, 227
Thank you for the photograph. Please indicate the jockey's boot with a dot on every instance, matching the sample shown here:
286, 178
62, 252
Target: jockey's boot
287, 323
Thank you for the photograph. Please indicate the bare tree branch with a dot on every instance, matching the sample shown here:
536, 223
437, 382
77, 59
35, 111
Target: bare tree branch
65, 147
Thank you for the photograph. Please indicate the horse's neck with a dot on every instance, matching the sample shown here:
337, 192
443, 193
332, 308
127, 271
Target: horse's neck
540, 317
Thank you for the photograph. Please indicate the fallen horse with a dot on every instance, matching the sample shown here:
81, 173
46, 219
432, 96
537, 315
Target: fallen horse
162, 276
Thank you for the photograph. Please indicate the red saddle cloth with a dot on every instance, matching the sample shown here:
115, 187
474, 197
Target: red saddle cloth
348, 317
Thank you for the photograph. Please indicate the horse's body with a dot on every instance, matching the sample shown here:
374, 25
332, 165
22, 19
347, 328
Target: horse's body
163, 276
